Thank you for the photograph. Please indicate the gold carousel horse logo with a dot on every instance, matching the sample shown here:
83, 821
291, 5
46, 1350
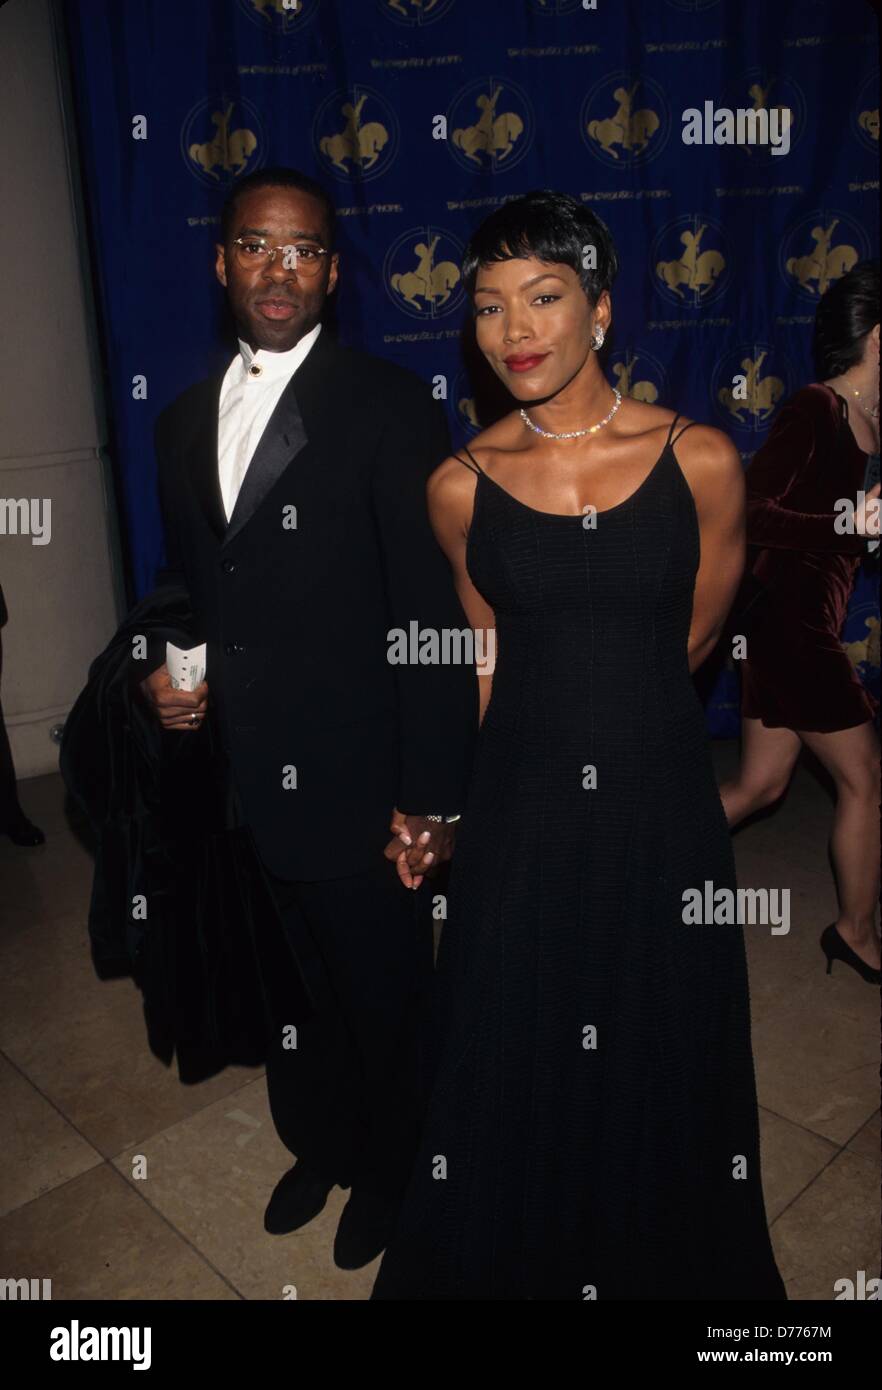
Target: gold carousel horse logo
465, 402
467, 412
415, 12
790, 114
865, 651
865, 113
229, 151
754, 394
697, 271
424, 286
499, 136
643, 386
282, 15
354, 147
825, 261
556, 7
619, 130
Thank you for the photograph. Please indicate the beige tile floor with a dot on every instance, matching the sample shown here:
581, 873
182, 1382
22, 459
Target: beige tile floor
117, 1182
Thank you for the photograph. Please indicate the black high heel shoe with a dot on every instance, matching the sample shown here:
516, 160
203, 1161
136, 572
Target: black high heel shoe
835, 948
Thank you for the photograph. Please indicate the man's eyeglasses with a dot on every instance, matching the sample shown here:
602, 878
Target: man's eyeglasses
254, 253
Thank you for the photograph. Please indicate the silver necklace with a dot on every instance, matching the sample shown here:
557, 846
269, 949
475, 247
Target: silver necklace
872, 411
574, 434
860, 396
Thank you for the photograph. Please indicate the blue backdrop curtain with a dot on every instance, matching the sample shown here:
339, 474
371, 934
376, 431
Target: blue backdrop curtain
724, 250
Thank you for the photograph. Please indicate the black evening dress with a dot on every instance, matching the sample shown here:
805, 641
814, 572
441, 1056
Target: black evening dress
593, 1129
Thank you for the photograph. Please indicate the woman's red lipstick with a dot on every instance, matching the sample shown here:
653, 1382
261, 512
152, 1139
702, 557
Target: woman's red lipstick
525, 364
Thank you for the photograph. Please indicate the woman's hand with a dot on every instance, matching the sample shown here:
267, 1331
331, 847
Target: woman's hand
419, 846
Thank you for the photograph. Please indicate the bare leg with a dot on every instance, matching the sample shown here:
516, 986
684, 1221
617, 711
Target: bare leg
851, 756
768, 757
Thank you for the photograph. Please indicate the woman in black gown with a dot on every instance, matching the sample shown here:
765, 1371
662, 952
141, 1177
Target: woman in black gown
592, 1131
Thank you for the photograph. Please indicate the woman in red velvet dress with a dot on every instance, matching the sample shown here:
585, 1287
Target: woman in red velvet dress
799, 686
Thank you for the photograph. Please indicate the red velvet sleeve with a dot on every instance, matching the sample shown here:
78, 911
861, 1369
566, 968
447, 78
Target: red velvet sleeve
771, 474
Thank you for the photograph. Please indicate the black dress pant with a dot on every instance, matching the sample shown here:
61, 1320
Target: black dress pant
348, 1087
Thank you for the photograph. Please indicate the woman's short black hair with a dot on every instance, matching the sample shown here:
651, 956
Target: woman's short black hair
279, 177
846, 314
553, 227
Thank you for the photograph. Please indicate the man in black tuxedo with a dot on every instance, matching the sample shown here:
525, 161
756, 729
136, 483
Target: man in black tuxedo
293, 497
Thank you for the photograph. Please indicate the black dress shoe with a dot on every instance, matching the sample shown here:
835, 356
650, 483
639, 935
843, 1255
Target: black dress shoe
835, 948
365, 1227
24, 832
297, 1198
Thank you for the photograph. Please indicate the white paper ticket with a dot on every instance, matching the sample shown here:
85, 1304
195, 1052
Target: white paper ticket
186, 670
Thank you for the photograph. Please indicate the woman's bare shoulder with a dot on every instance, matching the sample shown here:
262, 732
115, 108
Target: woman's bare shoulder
712, 467
704, 441
455, 477
450, 492
500, 437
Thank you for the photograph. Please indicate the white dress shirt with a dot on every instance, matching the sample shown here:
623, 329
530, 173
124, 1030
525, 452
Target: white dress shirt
250, 392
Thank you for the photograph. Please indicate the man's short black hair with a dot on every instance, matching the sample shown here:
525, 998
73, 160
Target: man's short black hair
278, 177
553, 227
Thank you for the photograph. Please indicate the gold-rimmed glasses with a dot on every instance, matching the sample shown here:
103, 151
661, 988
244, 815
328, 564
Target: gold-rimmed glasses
255, 253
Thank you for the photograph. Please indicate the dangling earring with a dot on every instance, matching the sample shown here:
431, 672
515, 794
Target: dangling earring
597, 340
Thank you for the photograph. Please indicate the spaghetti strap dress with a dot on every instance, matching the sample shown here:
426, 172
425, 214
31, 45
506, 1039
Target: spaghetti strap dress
592, 1128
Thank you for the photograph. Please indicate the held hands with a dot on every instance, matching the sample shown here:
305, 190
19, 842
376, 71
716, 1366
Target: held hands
175, 709
419, 847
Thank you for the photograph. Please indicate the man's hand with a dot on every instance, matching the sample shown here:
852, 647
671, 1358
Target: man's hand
419, 846
174, 708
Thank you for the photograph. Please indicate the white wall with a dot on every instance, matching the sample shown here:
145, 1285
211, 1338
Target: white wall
61, 599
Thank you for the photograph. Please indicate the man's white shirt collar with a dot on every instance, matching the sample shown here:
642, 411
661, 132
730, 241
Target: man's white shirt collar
247, 401
274, 366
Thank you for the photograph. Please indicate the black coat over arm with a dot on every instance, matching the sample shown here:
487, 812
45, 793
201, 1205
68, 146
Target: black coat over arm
179, 900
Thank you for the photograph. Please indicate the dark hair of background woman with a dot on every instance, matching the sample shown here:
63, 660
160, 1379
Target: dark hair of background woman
846, 314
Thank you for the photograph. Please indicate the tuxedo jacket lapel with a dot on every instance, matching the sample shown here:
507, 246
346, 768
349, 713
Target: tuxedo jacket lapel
281, 441
202, 457
301, 418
